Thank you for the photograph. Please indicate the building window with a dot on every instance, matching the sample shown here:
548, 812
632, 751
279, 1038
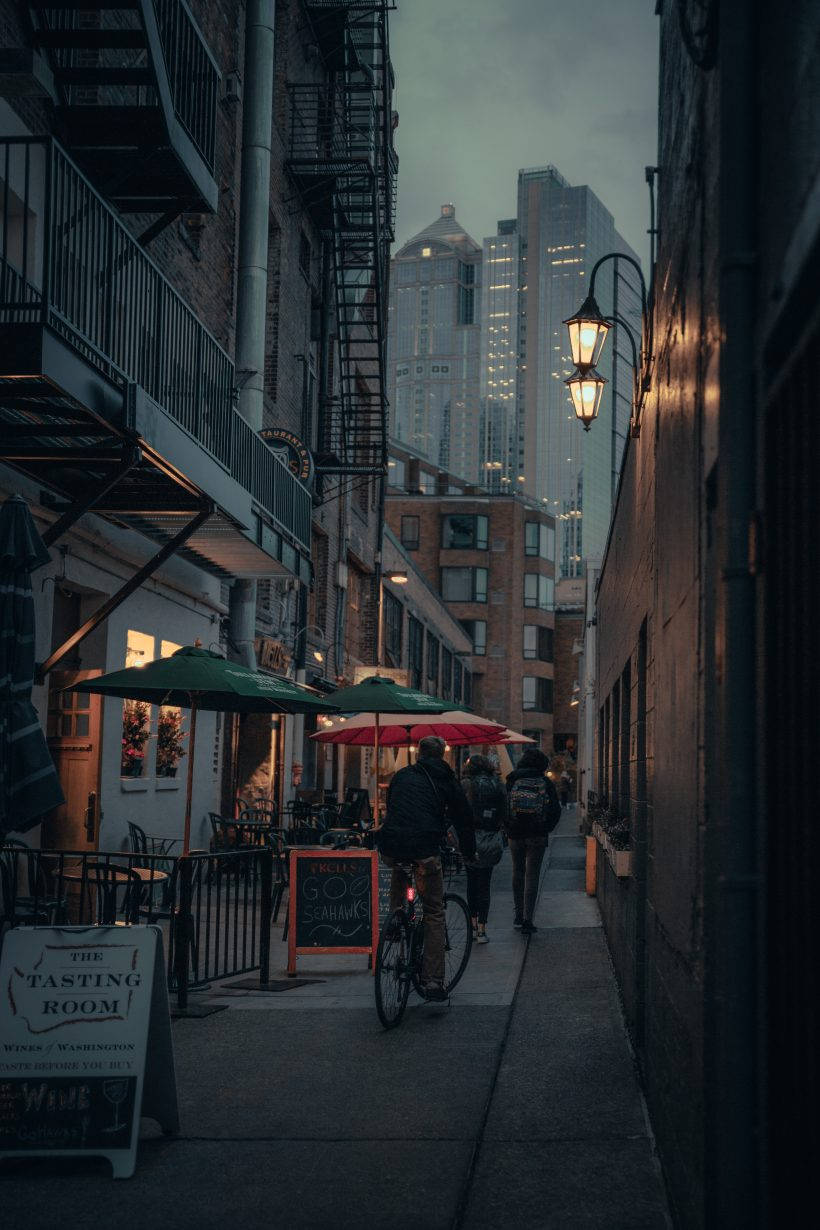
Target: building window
466, 305
410, 533
464, 584
458, 676
467, 687
539, 591
476, 629
538, 643
446, 684
432, 660
536, 694
463, 533
393, 623
427, 482
539, 539
535, 735
415, 639
395, 472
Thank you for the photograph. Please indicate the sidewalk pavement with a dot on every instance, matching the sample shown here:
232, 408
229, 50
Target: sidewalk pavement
519, 1105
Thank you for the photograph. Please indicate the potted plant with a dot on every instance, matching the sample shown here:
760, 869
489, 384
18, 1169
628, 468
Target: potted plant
170, 747
135, 733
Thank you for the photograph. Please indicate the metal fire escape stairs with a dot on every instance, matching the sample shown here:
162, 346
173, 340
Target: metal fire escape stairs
342, 160
135, 88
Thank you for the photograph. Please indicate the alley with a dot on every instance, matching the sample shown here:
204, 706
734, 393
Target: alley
517, 1106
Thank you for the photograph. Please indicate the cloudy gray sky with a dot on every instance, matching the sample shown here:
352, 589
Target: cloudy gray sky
484, 87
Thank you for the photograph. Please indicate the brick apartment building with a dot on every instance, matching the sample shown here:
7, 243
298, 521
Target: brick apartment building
491, 558
214, 315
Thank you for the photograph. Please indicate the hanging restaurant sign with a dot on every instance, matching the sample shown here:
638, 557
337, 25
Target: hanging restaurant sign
272, 655
296, 455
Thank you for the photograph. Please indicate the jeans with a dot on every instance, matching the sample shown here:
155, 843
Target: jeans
430, 885
478, 892
527, 856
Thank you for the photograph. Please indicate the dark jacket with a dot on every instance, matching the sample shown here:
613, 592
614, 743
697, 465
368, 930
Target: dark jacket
484, 791
422, 802
554, 805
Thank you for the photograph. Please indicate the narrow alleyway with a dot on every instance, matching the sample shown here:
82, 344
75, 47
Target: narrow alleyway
517, 1106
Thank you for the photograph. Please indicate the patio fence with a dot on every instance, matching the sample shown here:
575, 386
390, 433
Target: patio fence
215, 910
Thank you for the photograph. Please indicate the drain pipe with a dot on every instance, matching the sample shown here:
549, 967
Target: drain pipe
737, 1147
252, 279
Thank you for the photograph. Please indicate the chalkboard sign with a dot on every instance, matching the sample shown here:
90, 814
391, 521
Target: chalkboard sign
385, 880
86, 1042
332, 898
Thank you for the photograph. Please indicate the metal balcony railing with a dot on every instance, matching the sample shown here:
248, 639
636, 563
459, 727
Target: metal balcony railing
67, 261
333, 124
98, 75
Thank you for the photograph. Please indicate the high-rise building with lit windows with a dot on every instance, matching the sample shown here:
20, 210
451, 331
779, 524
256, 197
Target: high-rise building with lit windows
433, 357
536, 271
499, 358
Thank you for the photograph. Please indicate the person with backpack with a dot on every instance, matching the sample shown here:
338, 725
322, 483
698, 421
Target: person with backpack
533, 812
488, 800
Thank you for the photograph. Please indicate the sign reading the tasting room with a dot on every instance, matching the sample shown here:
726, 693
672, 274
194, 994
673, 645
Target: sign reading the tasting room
333, 903
77, 1008
296, 455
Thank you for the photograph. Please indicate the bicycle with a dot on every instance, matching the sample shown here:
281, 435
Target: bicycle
401, 949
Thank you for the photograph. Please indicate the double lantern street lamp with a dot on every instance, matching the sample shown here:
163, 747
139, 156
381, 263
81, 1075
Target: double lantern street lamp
588, 330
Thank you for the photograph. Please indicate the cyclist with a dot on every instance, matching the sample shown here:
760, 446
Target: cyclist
422, 802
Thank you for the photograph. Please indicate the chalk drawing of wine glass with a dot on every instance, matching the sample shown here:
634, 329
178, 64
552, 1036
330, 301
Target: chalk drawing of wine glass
116, 1091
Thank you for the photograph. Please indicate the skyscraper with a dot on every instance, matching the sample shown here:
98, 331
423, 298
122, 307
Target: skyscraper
433, 361
558, 235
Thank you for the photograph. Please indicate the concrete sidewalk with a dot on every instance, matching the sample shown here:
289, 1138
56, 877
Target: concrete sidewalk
519, 1105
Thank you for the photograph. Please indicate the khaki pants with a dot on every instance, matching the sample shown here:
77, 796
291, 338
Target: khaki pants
430, 885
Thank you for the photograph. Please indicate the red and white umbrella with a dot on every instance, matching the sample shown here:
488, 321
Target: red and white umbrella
400, 730
510, 736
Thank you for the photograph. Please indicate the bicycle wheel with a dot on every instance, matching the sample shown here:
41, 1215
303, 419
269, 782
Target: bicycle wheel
458, 939
392, 980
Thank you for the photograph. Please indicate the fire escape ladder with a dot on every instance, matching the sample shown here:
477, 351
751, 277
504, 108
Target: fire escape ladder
342, 161
137, 89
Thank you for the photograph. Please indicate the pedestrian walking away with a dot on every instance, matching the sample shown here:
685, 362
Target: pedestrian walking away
488, 800
566, 786
533, 811
423, 800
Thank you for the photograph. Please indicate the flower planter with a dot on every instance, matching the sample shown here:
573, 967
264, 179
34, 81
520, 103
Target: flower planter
619, 860
133, 768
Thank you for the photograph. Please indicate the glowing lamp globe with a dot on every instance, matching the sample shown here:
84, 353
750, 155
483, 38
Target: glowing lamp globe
587, 333
586, 389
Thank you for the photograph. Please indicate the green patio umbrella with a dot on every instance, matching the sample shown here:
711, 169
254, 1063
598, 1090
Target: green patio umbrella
378, 694
195, 679
29, 786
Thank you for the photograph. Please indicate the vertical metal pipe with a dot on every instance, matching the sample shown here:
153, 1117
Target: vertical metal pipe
257, 119
735, 1124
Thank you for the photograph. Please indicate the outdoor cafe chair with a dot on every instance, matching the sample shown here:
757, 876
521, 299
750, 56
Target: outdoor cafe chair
37, 905
143, 846
111, 890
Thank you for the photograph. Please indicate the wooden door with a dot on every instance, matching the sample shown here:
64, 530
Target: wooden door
73, 731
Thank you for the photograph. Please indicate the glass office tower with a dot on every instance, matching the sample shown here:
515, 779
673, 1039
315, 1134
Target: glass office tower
433, 355
499, 358
561, 232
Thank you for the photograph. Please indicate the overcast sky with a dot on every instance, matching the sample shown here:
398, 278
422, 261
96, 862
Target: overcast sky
484, 87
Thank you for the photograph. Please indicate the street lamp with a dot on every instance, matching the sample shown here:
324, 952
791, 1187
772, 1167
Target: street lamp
317, 653
398, 577
586, 389
588, 329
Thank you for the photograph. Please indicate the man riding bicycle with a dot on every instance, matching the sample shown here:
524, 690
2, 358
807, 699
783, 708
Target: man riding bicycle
422, 802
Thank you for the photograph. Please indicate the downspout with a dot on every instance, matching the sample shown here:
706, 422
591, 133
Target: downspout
737, 1145
252, 279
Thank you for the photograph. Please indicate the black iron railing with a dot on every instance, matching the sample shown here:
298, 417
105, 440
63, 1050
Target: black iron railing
66, 260
193, 76
187, 64
215, 910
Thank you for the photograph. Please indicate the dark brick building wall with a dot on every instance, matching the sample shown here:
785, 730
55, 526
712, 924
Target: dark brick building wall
692, 698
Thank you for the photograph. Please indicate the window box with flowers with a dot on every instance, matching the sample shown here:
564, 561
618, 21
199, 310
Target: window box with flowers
611, 831
135, 734
170, 742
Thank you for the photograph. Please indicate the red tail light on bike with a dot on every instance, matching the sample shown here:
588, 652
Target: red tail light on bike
411, 893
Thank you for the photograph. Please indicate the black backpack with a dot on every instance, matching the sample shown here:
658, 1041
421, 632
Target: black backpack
487, 803
533, 807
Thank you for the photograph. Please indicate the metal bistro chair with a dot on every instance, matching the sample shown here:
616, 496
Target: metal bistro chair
37, 905
116, 890
162, 859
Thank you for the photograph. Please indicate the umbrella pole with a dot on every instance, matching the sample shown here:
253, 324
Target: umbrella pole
376, 756
186, 839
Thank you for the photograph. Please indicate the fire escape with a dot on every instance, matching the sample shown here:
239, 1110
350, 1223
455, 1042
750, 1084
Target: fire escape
135, 88
342, 161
